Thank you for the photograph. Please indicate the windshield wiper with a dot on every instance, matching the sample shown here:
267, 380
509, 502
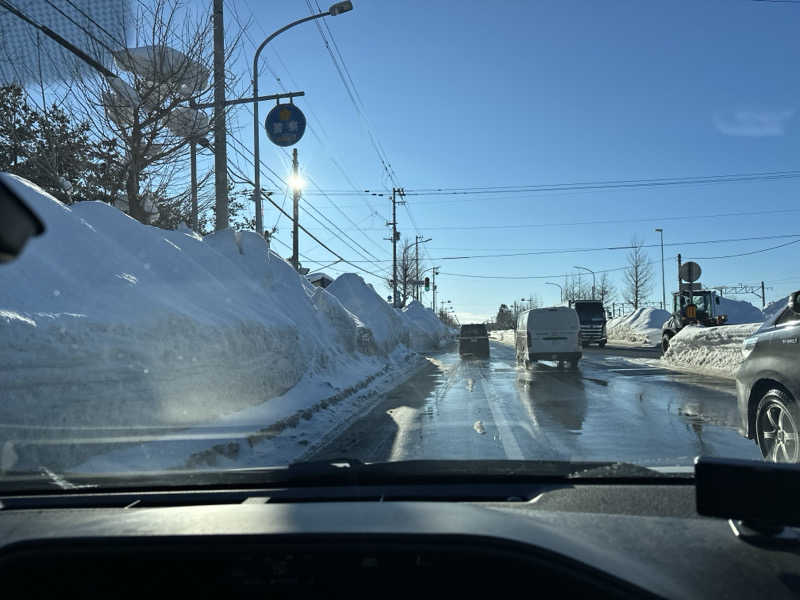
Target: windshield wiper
343, 471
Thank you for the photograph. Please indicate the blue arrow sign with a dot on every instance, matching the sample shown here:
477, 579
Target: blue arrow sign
285, 125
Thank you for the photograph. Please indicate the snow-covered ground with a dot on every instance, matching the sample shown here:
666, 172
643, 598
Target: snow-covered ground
641, 327
504, 336
714, 350
106, 323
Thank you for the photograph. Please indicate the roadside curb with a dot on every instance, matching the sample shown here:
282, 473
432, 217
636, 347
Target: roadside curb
231, 450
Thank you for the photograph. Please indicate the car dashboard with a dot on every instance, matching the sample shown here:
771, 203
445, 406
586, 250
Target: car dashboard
630, 541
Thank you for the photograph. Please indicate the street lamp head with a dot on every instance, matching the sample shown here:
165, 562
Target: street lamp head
296, 182
658, 229
340, 7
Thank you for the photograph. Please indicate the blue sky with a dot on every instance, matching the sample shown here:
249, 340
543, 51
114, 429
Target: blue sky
478, 94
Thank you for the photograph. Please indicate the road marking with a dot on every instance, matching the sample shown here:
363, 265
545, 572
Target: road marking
510, 445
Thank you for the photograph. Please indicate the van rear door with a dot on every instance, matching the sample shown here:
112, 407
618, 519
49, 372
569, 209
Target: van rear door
554, 331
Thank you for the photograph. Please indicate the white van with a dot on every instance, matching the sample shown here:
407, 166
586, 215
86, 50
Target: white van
549, 334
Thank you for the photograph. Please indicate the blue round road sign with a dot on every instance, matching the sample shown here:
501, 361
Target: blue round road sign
285, 124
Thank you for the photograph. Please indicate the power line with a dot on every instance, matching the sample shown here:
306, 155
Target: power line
352, 93
630, 183
607, 221
748, 253
313, 237
312, 129
305, 200
375, 261
652, 262
555, 251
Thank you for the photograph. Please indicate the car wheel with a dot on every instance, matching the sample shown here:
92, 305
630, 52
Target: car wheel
777, 433
601, 344
665, 342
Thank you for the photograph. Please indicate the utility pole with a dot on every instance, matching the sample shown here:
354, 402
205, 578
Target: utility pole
295, 214
433, 306
763, 296
395, 236
417, 295
663, 286
220, 139
193, 160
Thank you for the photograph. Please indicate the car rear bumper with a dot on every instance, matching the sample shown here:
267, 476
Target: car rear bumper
555, 355
480, 348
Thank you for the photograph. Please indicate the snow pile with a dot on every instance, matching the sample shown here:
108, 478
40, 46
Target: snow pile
642, 326
504, 336
109, 323
738, 311
426, 331
388, 327
715, 350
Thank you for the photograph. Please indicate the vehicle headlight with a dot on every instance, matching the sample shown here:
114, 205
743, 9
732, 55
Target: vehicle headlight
748, 346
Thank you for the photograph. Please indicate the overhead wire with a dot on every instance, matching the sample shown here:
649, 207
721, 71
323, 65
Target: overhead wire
652, 262
352, 92
305, 200
313, 237
559, 251
312, 129
363, 256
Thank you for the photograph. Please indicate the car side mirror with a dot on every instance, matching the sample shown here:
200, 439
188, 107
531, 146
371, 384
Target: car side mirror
794, 303
18, 223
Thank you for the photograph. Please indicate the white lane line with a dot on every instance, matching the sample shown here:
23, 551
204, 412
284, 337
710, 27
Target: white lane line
510, 445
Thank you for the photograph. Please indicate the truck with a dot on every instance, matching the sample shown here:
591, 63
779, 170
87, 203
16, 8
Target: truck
692, 305
592, 316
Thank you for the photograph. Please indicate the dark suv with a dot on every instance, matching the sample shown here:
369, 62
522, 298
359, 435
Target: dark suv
473, 340
768, 386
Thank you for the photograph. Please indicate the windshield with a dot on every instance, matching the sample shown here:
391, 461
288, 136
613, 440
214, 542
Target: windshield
244, 269
701, 301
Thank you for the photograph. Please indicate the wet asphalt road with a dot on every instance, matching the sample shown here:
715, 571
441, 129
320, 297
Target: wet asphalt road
607, 409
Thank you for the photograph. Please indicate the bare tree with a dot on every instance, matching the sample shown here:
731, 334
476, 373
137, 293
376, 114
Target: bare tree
148, 108
406, 274
576, 288
606, 290
638, 275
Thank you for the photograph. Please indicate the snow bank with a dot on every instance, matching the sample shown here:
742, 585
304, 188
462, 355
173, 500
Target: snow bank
504, 336
425, 329
387, 325
642, 326
715, 350
739, 311
105, 322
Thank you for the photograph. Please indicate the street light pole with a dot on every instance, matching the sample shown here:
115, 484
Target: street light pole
417, 241
560, 289
335, 9
663, 286
593, 280
220, 133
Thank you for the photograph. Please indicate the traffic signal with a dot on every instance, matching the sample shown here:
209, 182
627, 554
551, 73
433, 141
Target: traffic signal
427, 283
